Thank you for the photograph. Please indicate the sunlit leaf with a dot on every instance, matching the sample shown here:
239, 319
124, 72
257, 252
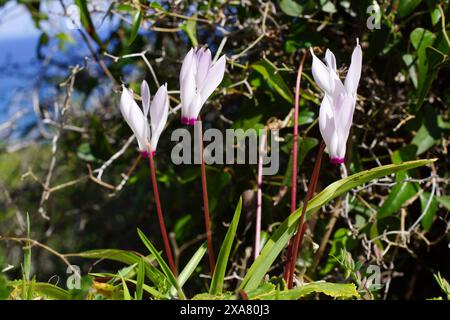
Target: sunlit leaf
285, 231
225, 249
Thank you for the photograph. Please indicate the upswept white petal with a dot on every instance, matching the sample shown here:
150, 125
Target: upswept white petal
354, 71
187, 64
213, 79
343, 111
321, 75
159, 111
145, 95
188, 91
327, 124
203, 66
135, 118
331, 60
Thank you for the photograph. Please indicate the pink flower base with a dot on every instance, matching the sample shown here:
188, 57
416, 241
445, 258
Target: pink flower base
187, 121
146, 154
337, 161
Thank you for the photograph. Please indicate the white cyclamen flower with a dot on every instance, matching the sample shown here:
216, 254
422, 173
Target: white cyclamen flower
198, 79
338, 104
146, 133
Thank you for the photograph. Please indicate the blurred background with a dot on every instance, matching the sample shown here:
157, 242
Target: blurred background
67, 159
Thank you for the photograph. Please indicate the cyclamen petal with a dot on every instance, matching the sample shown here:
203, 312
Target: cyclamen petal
159, 111
203, 66
338, 104
354, 71
321, 75
198, 79
135, 118
139, 123
188, 90
213, 79
145, 95
331, 60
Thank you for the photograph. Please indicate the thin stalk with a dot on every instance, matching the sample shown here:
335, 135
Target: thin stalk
162, 226
205, 200
295, 154
262, 145
301, 226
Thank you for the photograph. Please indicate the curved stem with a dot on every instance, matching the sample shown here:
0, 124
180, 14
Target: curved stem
298, 240
162, 226
205, 200
294, 158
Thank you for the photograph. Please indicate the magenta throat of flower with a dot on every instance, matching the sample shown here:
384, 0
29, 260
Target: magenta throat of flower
337, 160
145, 154
187, 121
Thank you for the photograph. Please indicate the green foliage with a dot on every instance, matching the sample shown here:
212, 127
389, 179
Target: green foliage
224, 253
286, 230
165, 268
335, 290
443, 284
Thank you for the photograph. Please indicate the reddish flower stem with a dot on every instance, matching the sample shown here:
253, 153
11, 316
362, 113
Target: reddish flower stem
296, 246
294, 156
205, 200
162, 226
259, 195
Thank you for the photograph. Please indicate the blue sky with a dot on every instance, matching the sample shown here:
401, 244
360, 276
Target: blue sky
16, 22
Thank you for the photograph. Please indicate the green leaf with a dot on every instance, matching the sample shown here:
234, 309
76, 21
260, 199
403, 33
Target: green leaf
126, 257
291, 8
286, 230
408, 59
45, 289
124, 7
84, 152
304, 117
190, 28
225, 249
341, 240
328, 6
140, 279
435, 15
422, 40
406, 7
137, 19
126, 292
444, 201
428, 218
335, 290
156, 5
274, 79
27, 253
429, 133
83, 291
182, 226
86, 21
403, 191
5, 288
423, 140
398, 195
191, 266
152, 291
445, 286
165, 268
